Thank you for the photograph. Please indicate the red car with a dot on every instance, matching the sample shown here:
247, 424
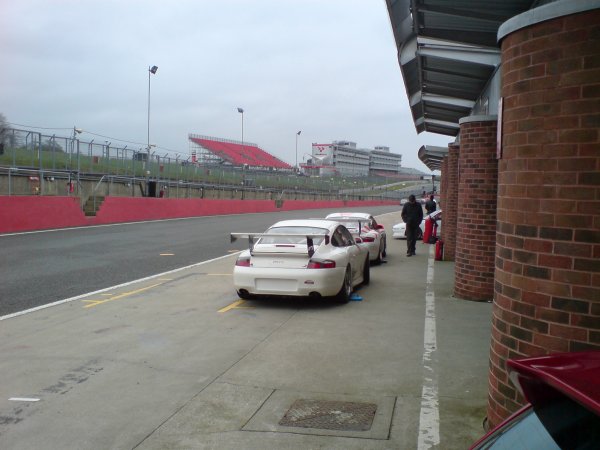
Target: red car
563, 391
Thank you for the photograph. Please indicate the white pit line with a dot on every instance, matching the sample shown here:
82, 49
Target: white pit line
429, 418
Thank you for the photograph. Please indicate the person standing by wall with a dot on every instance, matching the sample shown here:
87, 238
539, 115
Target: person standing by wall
412, 214
430, 205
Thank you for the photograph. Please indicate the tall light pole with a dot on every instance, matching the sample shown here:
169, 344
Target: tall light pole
297, 134
241, 111
151, 71
76, 131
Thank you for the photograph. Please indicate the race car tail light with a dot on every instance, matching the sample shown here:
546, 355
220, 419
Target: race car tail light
243, 261
321, 264
368, 239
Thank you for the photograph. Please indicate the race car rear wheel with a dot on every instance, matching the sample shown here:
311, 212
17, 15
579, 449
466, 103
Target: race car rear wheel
367, 272
346, 290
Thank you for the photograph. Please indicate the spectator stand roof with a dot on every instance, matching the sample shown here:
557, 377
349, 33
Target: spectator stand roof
239, 154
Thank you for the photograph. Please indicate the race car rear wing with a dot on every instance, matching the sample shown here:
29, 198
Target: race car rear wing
361, 221
253, 237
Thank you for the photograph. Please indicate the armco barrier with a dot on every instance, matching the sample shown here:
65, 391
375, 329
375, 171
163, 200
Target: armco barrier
29, 213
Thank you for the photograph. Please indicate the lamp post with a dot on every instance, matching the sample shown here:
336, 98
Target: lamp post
297, 134
151, 71
76, 131
241, 111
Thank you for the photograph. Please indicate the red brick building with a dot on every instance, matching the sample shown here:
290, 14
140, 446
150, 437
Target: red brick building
516, 85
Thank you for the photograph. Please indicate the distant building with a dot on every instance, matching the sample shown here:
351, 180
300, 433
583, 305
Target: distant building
344, 158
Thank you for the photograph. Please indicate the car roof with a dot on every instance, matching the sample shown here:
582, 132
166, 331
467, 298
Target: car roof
575, 375
316, 223
351, 215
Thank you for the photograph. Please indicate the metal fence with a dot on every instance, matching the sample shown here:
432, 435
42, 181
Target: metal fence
32, 150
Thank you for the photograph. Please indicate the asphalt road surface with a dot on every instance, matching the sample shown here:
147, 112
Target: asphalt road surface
45, 267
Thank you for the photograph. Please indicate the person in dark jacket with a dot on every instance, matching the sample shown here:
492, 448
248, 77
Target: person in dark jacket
430, 205
412, 214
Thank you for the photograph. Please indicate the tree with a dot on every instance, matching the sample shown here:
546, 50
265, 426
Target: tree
52, 146
3, 133
7, 138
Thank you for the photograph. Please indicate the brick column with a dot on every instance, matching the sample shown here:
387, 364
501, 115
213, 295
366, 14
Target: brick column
451, 201
547, 286
443, 191
476, 218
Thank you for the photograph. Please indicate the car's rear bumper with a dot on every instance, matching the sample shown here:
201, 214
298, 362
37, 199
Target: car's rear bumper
288, 282
399, 234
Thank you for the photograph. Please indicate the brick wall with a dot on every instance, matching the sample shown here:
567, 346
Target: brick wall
451, 201
444, 191
547, 280
476, 218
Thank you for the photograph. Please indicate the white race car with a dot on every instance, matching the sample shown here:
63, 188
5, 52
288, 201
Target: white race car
315, 258
365, 227
399, 230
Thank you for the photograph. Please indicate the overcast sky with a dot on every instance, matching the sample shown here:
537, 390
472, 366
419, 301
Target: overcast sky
326, 67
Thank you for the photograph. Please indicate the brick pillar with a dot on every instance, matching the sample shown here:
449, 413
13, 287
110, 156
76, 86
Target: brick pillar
476, 218
547, 281
451, 201
443, 191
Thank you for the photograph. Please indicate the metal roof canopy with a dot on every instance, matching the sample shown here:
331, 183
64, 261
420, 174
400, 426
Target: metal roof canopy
432, 156
448, 52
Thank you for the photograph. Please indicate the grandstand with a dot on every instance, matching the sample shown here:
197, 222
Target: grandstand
211, 150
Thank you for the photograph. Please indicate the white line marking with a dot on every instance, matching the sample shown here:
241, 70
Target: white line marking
67, 300
23, 399
85, 227
429, 418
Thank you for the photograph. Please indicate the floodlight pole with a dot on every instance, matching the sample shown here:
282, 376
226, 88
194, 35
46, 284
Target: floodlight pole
297, 134
151, 71
241, 111
76, 131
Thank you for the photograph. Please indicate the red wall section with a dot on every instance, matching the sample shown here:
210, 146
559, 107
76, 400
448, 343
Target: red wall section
27, 213
18, 213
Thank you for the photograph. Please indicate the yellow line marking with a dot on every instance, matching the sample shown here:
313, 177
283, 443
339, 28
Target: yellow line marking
165, 279
236, 304
167, 254
107, 295
233, 251
120, 296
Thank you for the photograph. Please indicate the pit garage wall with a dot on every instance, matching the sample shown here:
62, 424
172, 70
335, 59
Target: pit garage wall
476, 209
29, 213
547, 277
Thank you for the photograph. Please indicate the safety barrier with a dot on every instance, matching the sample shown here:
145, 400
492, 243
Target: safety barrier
29, 213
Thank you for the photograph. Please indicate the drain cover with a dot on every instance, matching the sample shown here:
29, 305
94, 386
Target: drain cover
329, 415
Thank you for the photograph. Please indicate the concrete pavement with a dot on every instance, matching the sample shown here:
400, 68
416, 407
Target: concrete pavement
177, 361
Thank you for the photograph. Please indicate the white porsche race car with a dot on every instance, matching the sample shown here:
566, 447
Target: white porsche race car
399, 230
315, 258
365, 227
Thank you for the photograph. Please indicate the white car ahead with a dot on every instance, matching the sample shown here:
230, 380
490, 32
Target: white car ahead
399, 230
364, 226
315, 258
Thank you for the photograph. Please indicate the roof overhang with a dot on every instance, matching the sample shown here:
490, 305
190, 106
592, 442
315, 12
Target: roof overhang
448, 52
432, 156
